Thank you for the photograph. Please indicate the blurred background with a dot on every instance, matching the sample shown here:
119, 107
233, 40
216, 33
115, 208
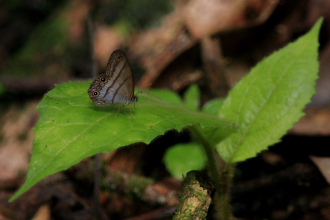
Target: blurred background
171, 44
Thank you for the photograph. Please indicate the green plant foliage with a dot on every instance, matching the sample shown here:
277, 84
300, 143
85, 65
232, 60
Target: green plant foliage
72, 128
271, 98
182, 158
167, 95
192, 98
213, 106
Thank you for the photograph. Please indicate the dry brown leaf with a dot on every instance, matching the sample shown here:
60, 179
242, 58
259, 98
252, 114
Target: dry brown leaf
207, 17
323, 163
43, 213
315, 122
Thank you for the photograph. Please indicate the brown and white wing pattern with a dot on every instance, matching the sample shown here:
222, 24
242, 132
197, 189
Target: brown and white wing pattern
116, 86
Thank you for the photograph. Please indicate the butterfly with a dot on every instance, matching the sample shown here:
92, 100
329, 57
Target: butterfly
116, 86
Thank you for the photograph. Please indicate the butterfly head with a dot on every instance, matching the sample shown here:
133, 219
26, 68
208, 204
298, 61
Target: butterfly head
95, 90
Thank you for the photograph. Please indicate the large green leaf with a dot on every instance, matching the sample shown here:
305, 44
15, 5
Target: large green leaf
72, 128
271, 98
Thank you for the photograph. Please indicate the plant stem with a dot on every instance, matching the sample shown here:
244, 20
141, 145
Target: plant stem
211, 154
221, 173
223, 198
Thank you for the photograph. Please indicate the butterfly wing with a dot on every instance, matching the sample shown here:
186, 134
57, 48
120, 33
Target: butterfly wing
117, 85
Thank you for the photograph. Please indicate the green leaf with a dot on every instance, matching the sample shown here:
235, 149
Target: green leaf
271, 98
191, 97
167, 95
213, 106
72, 128
183, 158
213, 135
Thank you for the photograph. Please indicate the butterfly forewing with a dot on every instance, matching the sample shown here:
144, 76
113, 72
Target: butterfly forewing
116, 61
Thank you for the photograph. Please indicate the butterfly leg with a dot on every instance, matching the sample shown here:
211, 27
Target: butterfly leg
130, 112
120, 107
